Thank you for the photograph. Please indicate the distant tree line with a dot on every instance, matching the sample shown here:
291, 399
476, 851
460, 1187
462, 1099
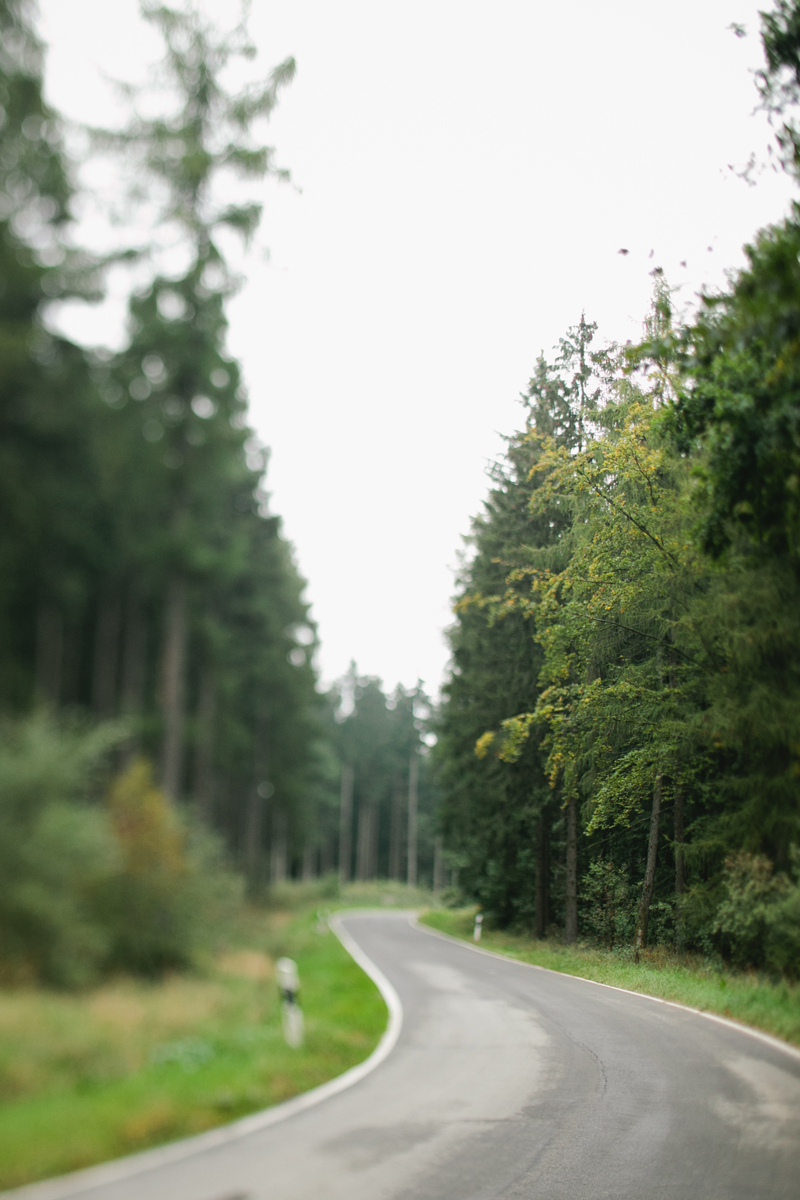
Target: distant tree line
386, 823
620, 738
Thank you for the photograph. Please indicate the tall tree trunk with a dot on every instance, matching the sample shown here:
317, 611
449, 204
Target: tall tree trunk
438, 864
366, 838
309, 861
49, 654
571, 914
680, 876
361, 838
134, 656
253, 832
542, 915
374, 827
72, 661
106, 656
204, 745
396, 830
413, 781
643, 918
172, 687
259, 791
134, 667
680, 868
326, 855
346, 824
279, 847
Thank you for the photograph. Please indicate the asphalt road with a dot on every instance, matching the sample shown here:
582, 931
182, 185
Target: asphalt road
508, 1081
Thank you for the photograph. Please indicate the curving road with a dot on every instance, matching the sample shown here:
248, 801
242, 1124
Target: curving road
508, 1081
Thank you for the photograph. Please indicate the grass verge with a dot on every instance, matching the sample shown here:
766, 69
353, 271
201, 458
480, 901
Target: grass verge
747, 997
86, 1077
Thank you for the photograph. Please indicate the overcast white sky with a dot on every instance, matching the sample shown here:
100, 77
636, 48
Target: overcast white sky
469, 171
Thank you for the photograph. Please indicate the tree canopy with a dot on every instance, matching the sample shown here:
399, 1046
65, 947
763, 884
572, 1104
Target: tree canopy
619, 749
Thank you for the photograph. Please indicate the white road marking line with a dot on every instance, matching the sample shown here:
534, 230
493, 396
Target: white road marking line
776, 1043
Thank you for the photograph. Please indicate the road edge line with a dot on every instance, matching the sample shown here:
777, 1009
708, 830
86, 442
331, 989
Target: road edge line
775, 1042
65, 1186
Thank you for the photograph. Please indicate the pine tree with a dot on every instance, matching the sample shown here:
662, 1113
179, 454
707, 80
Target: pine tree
50, 535
191, 407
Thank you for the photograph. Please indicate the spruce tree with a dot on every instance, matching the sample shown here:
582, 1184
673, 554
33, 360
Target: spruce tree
190, 406
49, 531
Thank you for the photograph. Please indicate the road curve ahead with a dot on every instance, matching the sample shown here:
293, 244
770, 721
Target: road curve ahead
509, 1081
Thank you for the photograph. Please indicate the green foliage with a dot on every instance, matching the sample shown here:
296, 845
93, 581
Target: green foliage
88, 885
47, 530
779, 81
92, 1076
758, 920
212, 129
171, 893
378, 736
648, 583
738, 401
55, 850
134, 529
609, 909
494, 804
665, 665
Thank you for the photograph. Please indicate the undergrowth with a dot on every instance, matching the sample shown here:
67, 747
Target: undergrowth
91, 1075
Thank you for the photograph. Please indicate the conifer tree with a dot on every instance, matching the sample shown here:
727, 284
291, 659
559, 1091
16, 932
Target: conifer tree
500, 820
191, 406
143, 573
48, 526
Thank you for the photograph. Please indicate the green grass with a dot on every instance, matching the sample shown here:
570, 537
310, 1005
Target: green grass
85, 1077
327, 895
749, 998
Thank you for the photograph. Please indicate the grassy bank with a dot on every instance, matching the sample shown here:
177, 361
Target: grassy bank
85, 1077
753, 1000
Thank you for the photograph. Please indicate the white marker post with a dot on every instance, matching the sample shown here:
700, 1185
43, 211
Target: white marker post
476, 933
291, 1012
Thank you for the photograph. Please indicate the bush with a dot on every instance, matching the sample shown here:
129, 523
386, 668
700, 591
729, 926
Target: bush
87, 886
172, 889
55, 850
758, 921
609, 909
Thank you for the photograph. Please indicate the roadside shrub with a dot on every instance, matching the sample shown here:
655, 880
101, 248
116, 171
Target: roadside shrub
608, 909
661, 927
696, 910
758, 920
55, 850
783, 933
87, 886
172, 889
141, 905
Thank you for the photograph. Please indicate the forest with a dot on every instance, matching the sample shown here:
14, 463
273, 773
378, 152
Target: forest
619, 745
166, 744
193, 820
617, 753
